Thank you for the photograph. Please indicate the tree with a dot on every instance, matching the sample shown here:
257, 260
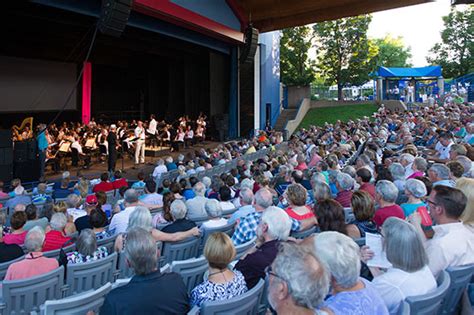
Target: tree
344, 51
391, 52
295, 67
455, 52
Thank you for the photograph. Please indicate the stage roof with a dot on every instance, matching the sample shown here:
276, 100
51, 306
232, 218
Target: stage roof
270, 15
422, 72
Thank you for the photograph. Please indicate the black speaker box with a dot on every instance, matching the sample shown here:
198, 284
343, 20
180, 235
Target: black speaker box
24, 151
114, 16
5, 138
247, 53
6, 156
27, 171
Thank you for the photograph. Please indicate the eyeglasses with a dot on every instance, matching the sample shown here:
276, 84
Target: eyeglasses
269, 271
431, 202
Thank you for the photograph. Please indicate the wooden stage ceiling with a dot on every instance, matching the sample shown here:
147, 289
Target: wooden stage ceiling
270, 15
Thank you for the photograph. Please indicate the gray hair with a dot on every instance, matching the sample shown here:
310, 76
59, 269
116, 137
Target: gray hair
199, 189
278, 222
130, 196
34, 239
58, 221
387, 190
349, 170
306, 277
246, 195
206, 181
246, 183
321, 191
416, 188
213, 208
73, 201
178, 209
86, 243
283, 169
397, 170
420, 164
345, 181
141, 251
441, 170
264, 198
160, 162
403, 245
364, 159
465, 162
318, 177
407, 157
140, 217
341, 255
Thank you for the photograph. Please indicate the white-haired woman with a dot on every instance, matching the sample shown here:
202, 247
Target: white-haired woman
415, 190
214, 212
87, 249
141, 218
398, 173
410, 274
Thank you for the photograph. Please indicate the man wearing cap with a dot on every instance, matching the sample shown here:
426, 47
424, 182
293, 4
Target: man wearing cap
83, 222
112, 141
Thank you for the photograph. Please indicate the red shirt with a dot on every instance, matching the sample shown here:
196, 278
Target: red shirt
55, 240
384, 213
122, 182
369, 188
103, 186
344, 198
299, 217
13, 238
301, 166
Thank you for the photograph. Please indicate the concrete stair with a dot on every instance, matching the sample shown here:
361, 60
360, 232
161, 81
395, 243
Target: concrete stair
285, 115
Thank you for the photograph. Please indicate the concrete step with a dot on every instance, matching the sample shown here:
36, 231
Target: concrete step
285, 115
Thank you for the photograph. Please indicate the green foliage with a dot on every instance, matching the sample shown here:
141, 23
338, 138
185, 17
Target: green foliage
344, 52
295, 67
318, 116
391, 52
455, 53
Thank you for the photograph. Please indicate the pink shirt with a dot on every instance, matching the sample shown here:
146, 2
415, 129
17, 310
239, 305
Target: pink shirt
416, 174
14, 238
34, 264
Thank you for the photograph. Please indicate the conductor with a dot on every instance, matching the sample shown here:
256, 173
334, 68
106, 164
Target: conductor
112, 141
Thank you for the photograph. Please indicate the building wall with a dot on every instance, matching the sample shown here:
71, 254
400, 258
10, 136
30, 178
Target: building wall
269, 77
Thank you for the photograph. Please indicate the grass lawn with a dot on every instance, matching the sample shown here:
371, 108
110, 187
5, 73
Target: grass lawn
318, 116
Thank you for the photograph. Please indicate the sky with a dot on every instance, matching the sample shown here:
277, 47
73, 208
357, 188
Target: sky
419, 25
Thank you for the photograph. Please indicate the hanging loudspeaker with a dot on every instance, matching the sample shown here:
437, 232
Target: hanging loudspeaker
250, 46
114, 16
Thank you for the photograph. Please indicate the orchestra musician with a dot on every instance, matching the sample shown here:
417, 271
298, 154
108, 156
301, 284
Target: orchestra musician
81, 155
43, 144
139, 143
189, 136
152, 130
113, 143
179, 139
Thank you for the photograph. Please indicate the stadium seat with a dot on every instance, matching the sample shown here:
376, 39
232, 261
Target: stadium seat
228, 213
246, 303
4, 266
360, 241
108, 243
349, 215
55, 253
91, 275
182, 250
123, 270
243, 248
227, 229
194, 311
305, 233
24, 296
78, 304
191, 270
200, 220
460, 278
430, 303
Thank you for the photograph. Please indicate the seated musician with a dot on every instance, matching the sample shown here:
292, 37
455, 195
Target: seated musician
189, 136
166, 135
199, 134
81, 155
179, 139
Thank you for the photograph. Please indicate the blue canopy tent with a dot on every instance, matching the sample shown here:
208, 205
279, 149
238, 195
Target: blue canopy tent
399, 77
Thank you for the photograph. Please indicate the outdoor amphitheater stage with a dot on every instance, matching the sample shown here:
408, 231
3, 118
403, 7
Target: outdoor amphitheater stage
129, 170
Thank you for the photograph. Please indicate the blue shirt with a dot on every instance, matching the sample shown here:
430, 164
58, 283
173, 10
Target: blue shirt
409, 208
240, 213
171, 166
188, 194
42, 141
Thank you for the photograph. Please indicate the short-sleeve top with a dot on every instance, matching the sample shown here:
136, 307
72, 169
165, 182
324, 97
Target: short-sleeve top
77, 258
300, 217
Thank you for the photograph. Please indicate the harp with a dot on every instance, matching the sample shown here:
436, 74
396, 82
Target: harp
18, 130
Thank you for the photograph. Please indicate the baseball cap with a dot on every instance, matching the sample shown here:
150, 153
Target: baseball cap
91, 200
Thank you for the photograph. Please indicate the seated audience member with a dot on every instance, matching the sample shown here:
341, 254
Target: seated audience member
331, 217
98, 222
34, 263
466, 185
415, 190
246, 198
344, 184
61, 207
321, 191
246, 230
274, 228
364, 210
456, 170
3, 195
407, 160
297, 209
86, 249
222, 283
196, 205
297, 281
17, 199
224, 198
453, 241
188, 192
33, 220
8, 251
104, 184
386, 193
140, 183
56, 238
363, 177
419, 167
41, 196
149, 291
119, 181
439, 175
398, 174
349, 293
83, 222
74, 210
159, 170
102, 201
119, 221
18, 189
17, 234
151, 197
214, 212
409, 274
466, 164
175, 188
178, 212
164, 217
63, 190
141, 218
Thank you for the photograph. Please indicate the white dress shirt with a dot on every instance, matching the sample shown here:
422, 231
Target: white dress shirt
152, 127
196, 207
159, 170
451, 245
119, 223
139, 133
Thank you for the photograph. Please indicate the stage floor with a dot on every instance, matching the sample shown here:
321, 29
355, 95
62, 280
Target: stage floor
130, 172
